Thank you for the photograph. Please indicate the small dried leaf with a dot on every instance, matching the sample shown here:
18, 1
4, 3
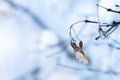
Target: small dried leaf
79, 54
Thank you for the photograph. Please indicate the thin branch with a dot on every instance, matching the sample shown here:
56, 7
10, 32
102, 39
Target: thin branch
115, 41
98, 18
113, 46
32, 73
109, 9
71, 27
90, 70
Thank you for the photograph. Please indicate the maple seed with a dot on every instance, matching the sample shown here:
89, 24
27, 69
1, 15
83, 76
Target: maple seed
79, 54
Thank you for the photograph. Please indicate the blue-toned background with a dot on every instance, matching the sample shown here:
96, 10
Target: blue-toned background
34, 40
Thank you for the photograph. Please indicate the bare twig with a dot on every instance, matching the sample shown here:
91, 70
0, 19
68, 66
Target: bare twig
109, 9
90, 69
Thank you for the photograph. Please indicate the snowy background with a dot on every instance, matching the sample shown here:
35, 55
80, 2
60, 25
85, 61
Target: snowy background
34, 40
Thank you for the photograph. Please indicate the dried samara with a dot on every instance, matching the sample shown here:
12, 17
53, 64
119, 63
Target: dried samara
78, 51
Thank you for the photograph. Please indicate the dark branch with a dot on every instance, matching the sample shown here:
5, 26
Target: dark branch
109, 9
90, 69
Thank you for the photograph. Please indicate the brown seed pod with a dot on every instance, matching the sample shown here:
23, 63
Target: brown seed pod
79, 53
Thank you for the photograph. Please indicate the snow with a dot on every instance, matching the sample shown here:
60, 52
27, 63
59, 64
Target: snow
25, 45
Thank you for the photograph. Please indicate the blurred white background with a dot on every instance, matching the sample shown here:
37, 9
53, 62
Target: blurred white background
34, 40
